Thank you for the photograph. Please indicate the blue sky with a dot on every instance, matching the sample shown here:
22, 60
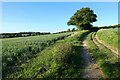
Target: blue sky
52, 16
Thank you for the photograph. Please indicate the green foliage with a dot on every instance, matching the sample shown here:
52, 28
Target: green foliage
64, 52
68, 30
16, 51
73, 30
83, 18
21, 34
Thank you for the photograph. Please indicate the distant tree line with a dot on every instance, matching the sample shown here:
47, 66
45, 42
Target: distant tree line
111, 26
25, 34
68, 30
22, 34
95, 28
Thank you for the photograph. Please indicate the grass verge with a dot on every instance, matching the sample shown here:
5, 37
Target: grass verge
108, 62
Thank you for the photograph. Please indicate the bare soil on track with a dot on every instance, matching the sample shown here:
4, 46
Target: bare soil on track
91, 69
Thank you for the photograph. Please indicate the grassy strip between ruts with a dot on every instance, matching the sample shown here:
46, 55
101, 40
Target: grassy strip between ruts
61, 60
104, 58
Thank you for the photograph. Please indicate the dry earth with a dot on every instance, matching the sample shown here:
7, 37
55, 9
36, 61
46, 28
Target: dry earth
92, 70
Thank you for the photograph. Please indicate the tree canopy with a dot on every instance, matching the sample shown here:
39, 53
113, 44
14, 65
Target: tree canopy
83, 19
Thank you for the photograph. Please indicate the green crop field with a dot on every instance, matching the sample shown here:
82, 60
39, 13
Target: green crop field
16, 51
52, 62
58, 60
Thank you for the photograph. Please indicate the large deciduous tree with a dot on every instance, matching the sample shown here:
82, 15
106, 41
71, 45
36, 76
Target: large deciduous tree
83, 19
